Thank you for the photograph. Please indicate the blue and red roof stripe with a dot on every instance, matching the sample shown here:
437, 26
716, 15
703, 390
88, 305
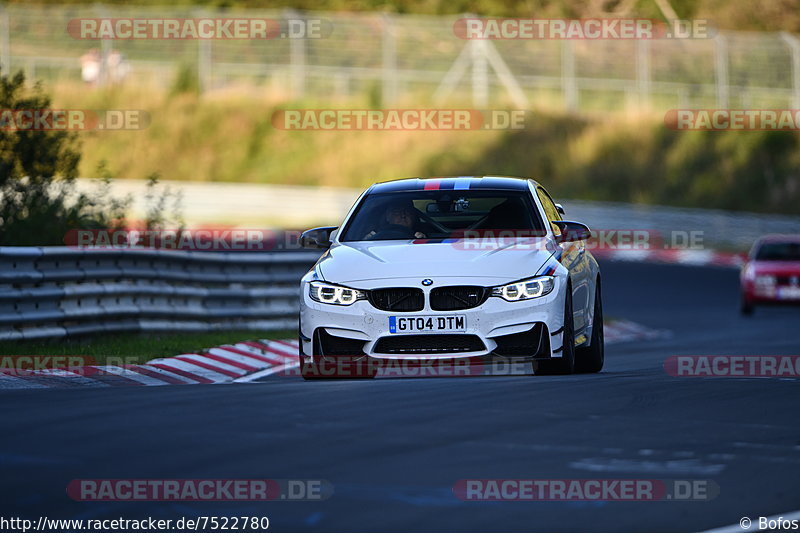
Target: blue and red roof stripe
462, 183
458, 183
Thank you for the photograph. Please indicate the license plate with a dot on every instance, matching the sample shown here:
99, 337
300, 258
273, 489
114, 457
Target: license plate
425, 324
789, 293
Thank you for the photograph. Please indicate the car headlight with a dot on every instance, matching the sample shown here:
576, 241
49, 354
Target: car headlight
525, 289
765, 280
334, 294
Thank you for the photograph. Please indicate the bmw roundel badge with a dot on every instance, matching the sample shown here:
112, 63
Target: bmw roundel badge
427, 282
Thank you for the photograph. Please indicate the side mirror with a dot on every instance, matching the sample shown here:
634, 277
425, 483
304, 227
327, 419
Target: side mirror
560, 209
317, 238
572, 231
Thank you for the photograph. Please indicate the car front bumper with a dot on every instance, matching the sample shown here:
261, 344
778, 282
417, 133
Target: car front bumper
778, 294
496, 327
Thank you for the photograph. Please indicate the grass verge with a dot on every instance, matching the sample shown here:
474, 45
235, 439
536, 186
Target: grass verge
136, 348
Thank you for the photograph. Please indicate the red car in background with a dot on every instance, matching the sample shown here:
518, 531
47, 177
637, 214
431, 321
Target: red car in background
772, 272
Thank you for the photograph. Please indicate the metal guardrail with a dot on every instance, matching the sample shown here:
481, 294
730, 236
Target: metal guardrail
730, 230
62, 291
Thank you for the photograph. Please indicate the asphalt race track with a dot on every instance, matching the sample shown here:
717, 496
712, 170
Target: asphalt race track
394, 448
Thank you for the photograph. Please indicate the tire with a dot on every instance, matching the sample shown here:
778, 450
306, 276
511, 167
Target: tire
747, 308
590, 359
566, 363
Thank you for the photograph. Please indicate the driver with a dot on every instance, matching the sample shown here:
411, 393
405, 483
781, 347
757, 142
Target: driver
401, 214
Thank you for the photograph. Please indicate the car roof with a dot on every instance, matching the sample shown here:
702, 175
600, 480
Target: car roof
462, 183
776, 237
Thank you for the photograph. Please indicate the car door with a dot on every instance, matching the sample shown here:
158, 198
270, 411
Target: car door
574, 259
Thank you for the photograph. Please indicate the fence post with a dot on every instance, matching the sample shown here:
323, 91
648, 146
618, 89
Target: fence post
453, 75
480, 74
568, 82
204, 64
794, 46
203, 59
643, 72
721, 70
297, 59
5, 41
105, 48
389, 49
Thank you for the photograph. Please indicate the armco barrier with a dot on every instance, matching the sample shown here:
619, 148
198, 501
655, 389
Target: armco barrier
61, 291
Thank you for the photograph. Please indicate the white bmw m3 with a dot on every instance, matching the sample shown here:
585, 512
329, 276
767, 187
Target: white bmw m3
459, 267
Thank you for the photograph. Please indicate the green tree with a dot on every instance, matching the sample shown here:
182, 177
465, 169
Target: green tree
39, 203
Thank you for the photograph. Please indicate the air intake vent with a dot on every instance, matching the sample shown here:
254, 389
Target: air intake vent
397, 299
429, 344
458, 297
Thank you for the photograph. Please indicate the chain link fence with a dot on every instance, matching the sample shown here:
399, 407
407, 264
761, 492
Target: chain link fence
392, 59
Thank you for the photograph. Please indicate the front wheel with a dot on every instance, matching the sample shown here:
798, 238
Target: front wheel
747, 307
589, 359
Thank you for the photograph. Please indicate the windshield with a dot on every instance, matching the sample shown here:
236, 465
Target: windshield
441, 214
779, 251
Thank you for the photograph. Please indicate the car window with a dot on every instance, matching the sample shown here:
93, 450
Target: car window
549, 208
778, 251
440, 214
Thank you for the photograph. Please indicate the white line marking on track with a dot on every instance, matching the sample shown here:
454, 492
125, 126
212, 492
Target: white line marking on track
675, 466
220, 351
266, 372
168, 374
14, 382
192, 368
76, 378
133, 376
212, 362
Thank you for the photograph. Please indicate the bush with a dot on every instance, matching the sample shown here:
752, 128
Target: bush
38, 200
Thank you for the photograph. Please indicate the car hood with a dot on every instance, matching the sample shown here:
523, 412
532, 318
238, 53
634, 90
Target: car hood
776, 268
496, 261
